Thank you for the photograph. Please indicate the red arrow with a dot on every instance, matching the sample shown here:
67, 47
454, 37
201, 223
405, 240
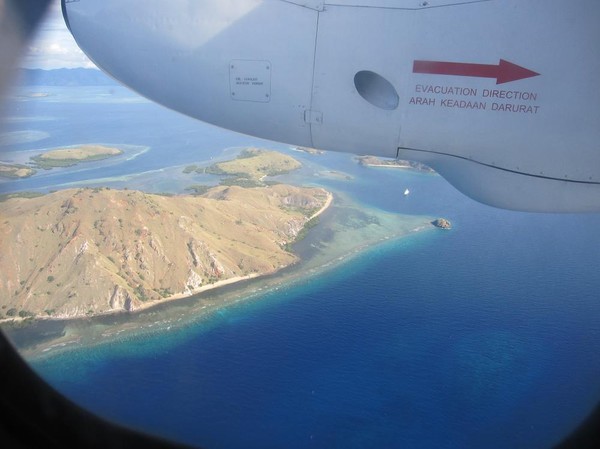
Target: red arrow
504, 72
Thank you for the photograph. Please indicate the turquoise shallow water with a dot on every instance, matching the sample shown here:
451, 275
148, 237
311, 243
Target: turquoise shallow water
483, 336
383, 352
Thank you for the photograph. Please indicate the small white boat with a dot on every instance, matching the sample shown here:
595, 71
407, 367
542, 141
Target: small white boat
406, 192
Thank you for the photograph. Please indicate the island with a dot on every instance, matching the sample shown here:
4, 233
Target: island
442, 223
85, 252
308, 150
16, 171
372, 161
252, 166
335, 174
193, 168
67, 157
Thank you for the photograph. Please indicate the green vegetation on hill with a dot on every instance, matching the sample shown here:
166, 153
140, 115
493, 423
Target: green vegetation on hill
193, 169
248, 170
288, 246
198, 189
242, 182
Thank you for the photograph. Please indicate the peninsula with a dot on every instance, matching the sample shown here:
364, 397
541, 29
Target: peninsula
85, 252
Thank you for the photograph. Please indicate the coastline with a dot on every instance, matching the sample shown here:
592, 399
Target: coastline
25, 156
178, 296
326, 205
52, 336
150, 304
230, 281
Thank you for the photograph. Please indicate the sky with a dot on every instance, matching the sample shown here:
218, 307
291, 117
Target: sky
54, 47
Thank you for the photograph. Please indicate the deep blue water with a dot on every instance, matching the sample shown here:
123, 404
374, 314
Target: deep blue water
485, 336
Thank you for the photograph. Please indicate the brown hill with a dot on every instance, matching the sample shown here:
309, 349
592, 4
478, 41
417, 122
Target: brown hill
90, 251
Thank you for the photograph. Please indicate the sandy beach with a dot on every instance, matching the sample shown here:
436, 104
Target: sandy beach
328, 202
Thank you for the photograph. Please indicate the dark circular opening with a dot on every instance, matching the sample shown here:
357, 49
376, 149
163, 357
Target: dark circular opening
376, 90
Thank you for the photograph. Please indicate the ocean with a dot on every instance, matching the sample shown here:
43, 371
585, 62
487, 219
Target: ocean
484, 336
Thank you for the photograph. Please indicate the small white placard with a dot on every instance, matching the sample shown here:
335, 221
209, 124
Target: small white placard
250, 80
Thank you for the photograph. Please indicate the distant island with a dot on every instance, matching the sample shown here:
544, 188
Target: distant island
67, 157
16, 171
372, 161
308, 150
441, 223
249, 169
335, 174
84, 252
58, 157
255, 164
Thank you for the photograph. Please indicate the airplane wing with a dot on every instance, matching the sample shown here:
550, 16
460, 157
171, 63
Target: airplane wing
500, 97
